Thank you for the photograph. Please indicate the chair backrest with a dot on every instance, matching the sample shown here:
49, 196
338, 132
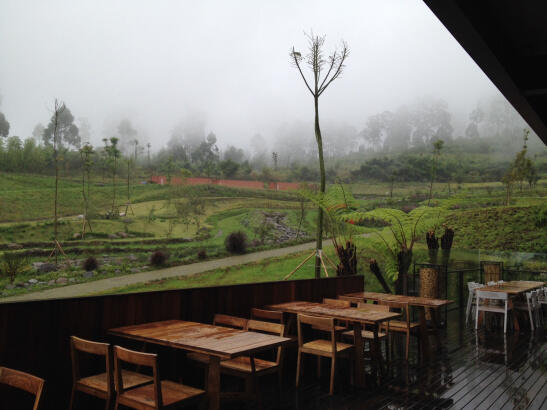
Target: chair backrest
471, 286
492, 270
141, 359
230, 321
95, 348
323, 323
277, 329
492, 283
372, 306
403, 306
532, 298
485, 294
23, 381
267, 315
337, 302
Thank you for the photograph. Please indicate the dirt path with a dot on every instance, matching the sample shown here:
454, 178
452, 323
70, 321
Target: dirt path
183, 270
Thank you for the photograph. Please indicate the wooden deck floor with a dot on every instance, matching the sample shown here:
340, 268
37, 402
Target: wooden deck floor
474, 370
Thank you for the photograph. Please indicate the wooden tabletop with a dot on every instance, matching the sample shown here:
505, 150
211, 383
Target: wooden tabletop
514, 287
337, 312
388, 297
222, 342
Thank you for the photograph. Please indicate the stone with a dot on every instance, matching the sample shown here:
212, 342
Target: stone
61, 281
51, 282
47, 267
89, 274
76, 235
33, 281
121, 234
112, 236
14, 246
72, 280
135, 270
132, 258
117, 271
10, 286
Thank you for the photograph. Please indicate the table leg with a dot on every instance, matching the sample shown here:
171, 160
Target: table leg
359, 359
424, 337
213, 383
377, 362
435, 324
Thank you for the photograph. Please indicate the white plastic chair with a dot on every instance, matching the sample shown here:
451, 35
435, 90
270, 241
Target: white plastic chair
471, 286
485, 295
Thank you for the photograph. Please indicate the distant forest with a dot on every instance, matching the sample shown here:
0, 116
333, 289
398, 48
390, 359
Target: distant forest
392, 146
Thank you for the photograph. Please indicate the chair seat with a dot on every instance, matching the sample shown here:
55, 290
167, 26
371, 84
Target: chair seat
337, 329
171, 393
100, 382
365, 334
492, 308
398, 326
243, 364
326, 346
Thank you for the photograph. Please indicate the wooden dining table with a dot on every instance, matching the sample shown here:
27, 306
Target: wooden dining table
357, 317
419, 302
219, 343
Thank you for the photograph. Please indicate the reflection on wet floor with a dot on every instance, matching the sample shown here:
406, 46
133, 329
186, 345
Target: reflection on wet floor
471, 370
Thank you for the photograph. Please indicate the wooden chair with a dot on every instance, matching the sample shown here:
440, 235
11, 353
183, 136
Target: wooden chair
487, 296
99, 385
405, 326
23, 381
340, 325
492, 271
321, 347
158, 395
234, 322
274, 316
368, 335
251, 368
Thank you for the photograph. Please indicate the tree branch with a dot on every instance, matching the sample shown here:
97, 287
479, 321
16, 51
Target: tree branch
294, 56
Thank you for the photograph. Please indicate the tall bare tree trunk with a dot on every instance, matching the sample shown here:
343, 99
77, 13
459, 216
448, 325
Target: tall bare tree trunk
319, 238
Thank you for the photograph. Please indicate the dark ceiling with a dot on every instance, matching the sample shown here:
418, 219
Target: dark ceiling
508, 40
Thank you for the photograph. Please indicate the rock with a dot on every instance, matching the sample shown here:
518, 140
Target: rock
26, 285
61, 281
77, 235
10, 286
117, 271
132, 258
14, 246
135, 270
72, 280
42, 283
46, 267
112, 236
51, 282
33, 281
122, 234
219, 233
80, 217
89, 274
145, 267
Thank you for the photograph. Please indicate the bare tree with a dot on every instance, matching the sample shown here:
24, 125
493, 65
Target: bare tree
334, 65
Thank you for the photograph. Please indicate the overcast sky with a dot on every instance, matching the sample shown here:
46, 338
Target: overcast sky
158, 62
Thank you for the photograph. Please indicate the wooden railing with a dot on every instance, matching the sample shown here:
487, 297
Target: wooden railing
34, 336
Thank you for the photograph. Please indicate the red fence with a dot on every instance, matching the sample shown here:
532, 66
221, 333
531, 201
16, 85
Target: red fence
234, 183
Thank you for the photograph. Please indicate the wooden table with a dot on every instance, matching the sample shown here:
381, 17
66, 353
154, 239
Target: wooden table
215, 341
417, 301
514, 289
357, 317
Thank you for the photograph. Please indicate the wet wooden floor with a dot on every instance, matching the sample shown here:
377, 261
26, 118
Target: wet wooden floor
473, 370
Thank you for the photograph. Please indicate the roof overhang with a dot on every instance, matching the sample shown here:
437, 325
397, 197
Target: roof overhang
508, 40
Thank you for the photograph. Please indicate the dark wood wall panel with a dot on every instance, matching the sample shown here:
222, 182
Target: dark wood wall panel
34, 335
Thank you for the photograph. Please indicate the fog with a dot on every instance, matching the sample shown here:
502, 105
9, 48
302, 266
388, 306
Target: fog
162, 63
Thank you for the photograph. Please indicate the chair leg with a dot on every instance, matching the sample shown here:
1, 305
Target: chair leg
332, 371
298, 367
407, 345
107, 405
72, 397
530, 315
468, 310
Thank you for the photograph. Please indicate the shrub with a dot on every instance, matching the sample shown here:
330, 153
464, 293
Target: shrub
90, 263
202, 254
13, 264
236, 242
158, 258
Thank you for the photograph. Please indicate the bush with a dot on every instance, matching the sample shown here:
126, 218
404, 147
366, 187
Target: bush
236, 242
158, 258
90, 263
13, 264
202, 254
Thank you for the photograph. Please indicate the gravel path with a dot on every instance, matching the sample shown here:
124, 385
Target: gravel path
183, 270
